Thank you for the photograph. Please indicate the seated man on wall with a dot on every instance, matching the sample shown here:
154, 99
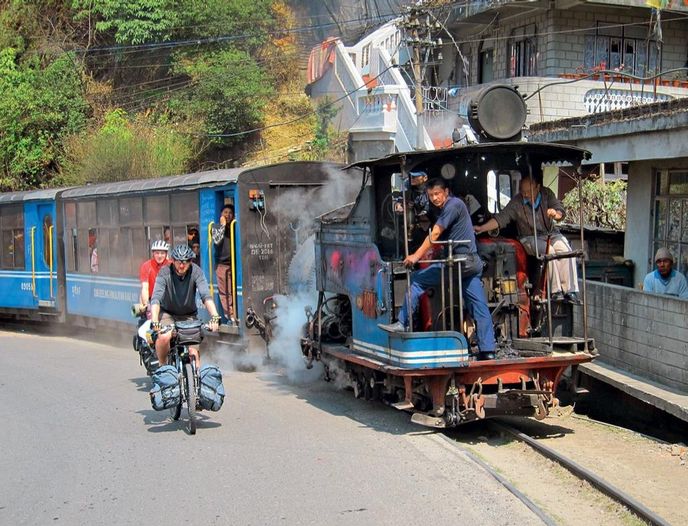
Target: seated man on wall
665, 279
539, 204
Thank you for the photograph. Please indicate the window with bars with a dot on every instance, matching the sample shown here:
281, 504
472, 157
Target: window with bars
12, 237
615, 46
522, 52
113, 236
670, 216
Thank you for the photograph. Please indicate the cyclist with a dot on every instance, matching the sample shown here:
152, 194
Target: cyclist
149, 271
174, 299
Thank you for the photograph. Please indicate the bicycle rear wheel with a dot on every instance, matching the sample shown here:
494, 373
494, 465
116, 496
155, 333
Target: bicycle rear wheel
190, 397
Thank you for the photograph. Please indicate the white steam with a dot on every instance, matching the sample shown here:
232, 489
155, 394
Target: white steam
300, 210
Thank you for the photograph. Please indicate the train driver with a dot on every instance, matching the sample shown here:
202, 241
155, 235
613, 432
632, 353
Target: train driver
547, 208
453, 222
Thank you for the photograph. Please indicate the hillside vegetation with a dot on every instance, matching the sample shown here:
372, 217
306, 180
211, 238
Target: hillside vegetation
106, 90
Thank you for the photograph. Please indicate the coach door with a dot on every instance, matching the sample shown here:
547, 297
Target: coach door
42, 254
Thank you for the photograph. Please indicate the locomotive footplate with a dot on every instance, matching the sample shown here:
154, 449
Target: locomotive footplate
541, 345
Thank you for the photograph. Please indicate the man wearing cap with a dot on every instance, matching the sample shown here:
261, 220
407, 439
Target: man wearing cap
665, 279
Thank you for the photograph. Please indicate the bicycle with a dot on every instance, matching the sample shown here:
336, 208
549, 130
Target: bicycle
185, 334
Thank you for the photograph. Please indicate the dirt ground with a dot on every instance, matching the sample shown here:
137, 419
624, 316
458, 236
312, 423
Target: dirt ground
651, 471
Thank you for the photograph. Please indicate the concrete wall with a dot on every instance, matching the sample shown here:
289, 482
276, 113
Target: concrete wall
642, 333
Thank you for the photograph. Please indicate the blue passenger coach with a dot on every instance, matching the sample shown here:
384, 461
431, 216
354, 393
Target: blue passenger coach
108, 229
29, 256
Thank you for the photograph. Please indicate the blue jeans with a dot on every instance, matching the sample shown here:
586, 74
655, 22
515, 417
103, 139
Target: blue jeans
473, 297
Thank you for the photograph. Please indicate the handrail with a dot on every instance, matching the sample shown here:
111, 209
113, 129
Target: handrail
210, 256
50, 256
33, 262
233, 253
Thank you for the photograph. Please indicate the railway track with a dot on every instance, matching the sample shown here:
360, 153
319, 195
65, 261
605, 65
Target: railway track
623, 498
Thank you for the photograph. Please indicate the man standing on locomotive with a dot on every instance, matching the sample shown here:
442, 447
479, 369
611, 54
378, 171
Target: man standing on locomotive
563, 276
665, 279
453, 223
174, 299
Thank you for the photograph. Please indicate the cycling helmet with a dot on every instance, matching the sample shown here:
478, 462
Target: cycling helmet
182, 253
160, 245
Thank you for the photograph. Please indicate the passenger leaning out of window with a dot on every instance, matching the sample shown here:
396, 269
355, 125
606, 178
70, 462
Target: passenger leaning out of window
223, 257
149, 269
538, 204
665, 279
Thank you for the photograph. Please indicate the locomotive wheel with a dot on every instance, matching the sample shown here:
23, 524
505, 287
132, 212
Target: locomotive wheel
358, 389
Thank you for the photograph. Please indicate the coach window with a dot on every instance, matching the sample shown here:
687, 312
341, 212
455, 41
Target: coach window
47, 235
132, 249
108, 236
184, 210
86, 240
71, 240
156, 215
12, 235
670, 228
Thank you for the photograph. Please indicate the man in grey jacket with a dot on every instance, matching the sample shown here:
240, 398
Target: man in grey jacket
174, 299
534, 210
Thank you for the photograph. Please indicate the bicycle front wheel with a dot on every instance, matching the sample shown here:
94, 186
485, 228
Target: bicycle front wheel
190, 397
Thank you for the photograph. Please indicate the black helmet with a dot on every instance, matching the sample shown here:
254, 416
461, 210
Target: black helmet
182, 253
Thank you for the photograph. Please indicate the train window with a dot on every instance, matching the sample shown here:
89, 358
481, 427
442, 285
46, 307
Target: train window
83, 251
140, 247
108, 215
157, 209
86, 214
131, 211
184, 207
504, 189
12, 237
47, 250
70, 215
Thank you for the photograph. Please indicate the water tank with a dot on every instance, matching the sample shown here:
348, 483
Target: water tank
496, 112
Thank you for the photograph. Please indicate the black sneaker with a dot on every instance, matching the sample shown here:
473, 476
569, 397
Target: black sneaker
572, 297
558, 296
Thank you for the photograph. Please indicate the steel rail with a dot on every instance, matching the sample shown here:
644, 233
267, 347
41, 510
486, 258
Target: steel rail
503, 481
581, 472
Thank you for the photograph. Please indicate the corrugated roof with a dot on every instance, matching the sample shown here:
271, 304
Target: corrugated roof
187, 182
30, 195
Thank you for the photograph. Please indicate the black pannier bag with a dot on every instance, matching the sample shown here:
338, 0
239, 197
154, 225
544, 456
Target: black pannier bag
166, 392
212, 392
189, 332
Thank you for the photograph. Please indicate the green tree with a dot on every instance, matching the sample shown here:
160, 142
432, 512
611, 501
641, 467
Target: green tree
604, 204
122, 149
228, 94
132, 22
39, 106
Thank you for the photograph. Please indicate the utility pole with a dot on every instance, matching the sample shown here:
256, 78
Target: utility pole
418, 27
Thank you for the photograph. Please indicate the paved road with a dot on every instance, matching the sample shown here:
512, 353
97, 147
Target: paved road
81, 445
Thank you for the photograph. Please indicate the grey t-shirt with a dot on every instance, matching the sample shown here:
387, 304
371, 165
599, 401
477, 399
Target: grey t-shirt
177, 294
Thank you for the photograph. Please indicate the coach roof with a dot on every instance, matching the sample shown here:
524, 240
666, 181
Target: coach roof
187, 182
29, 195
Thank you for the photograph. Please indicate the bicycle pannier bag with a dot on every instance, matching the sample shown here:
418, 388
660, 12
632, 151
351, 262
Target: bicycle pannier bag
165, 392
212, 392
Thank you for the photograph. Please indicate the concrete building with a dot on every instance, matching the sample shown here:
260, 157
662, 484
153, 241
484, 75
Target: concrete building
568, 58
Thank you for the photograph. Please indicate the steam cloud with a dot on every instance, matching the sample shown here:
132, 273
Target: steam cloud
301, 210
